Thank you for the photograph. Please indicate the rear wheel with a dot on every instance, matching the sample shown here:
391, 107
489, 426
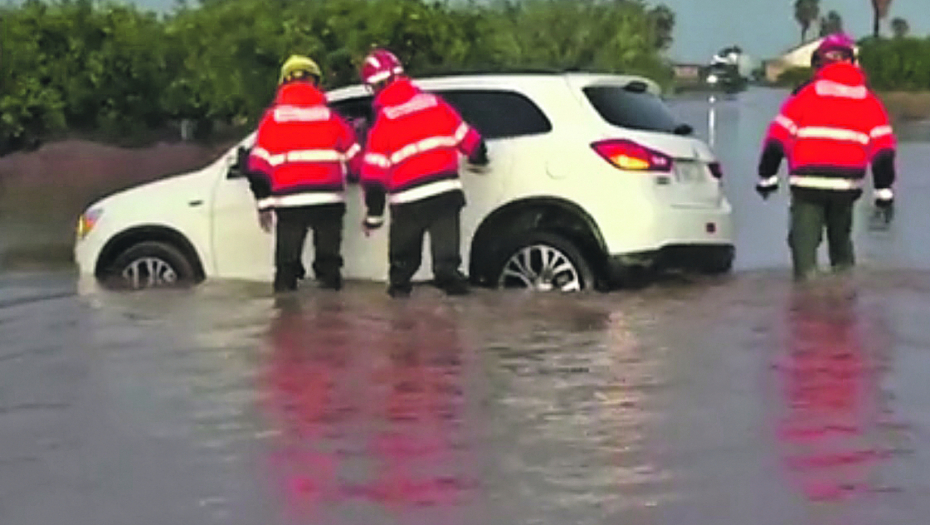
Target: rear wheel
542, 261
150, 264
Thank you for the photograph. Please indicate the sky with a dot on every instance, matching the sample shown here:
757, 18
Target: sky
762, 28
766, 28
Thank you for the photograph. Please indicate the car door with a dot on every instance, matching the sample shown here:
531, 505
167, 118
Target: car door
242, 249
364, 257
510, 123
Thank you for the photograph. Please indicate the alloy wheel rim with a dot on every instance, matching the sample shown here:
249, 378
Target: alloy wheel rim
149, 272
542, 268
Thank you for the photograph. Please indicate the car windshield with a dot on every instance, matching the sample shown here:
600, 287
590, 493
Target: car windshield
632, 107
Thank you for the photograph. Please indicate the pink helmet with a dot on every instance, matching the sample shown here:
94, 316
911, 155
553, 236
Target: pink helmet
380, 66
837, 42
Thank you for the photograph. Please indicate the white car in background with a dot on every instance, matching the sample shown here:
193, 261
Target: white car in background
591, 178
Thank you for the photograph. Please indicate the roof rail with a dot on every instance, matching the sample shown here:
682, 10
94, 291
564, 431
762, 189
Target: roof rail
442, 72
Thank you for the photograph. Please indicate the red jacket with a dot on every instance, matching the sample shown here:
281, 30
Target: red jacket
412, 148
830, 132
303, 150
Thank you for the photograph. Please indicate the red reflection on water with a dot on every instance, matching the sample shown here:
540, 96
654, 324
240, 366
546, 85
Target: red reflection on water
417, 450
408, 412
299, 391
831, 391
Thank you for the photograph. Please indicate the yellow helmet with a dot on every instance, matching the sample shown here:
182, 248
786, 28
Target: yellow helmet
297, 67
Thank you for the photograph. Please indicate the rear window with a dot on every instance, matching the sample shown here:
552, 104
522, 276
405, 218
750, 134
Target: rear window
631, 108
498, 114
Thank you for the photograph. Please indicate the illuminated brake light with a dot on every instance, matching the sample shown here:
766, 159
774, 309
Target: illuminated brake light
628, 155
630, 163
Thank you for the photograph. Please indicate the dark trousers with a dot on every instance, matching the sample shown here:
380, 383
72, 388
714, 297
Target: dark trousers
809, 217
438, 216
293, 223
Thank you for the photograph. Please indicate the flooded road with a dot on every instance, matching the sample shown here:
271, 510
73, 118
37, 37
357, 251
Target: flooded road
722, 401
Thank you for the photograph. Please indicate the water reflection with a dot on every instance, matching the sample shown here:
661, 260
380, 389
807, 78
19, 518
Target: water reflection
365, 411
300, 378
419, 447
833, 401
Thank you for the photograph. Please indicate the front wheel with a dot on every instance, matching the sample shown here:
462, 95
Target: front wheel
542, 262
150, 264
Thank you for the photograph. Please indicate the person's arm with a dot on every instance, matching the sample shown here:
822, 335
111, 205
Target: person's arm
375, 173
467, 139
882, 149
778, 137
258, 167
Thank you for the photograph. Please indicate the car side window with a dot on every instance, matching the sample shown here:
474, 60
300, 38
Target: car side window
357, 111
498, 114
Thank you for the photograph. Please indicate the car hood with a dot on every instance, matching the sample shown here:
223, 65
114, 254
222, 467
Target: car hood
174, 190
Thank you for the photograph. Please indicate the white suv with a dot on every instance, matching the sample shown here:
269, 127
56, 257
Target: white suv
591, 178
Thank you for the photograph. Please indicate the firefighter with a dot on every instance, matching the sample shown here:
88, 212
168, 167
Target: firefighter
411, 159
302, 156
830, 133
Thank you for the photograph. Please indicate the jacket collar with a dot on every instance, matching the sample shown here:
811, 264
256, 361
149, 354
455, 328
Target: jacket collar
299, 94
397, 92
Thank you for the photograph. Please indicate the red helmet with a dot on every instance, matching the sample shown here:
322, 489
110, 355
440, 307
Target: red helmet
380, 66
837, 46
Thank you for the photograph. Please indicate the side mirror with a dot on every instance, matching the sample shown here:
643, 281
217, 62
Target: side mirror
237, 168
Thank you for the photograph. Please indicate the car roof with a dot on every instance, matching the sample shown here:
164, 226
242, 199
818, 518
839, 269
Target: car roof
522, 80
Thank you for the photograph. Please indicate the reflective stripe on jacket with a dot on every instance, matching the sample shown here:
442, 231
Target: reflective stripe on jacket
303, 149
412, 149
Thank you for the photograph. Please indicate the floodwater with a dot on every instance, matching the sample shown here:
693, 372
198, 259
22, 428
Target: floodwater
724, 401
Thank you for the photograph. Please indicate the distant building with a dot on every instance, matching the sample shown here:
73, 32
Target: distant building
689, 72
797, 56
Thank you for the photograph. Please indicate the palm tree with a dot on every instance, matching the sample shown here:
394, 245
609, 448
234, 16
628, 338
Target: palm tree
663, 20
806, 12
880, 11
830, 24
900, 27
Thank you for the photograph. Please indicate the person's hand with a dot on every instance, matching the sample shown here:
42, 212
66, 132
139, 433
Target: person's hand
371, 223
476, 168
766, 187
266, 220
478, 160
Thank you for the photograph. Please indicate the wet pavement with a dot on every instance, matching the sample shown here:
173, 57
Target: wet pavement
732, 400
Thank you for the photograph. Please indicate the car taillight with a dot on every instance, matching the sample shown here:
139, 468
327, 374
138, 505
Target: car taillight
628, 155
716, 170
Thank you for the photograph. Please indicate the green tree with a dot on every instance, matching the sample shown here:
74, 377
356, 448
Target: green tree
879, 11
900, 27
30, 106
897, 64
90, 65
806, 12
830, 24
663, 24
